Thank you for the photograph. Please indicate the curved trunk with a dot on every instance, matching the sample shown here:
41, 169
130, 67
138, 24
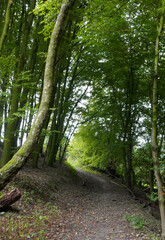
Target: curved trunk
20, 158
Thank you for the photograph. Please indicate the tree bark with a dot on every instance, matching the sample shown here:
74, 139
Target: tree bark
60, 116
154, 130
19, 159
6, 24
10, 198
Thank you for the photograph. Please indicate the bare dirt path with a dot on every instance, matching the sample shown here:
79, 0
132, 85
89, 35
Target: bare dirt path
59, 205
96, 209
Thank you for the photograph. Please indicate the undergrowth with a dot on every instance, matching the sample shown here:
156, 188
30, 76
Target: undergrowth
31, 222
137, 221
34, 215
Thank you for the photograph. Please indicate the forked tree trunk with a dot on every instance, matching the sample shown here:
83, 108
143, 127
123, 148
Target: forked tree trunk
154, 130
19, 159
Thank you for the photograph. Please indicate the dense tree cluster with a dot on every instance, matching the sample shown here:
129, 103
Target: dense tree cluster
23, 55
126, 106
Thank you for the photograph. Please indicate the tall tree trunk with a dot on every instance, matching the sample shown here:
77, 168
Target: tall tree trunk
39, 146
20, 158
49, 157
6, 24
154, 130
2, 39
31, 68
16, 91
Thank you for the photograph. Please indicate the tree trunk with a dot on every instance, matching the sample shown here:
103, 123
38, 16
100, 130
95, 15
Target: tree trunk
50, 151
31, 67
154, 130
39, 145
60, 116
10, 198
16, 91
6, 25
20, 158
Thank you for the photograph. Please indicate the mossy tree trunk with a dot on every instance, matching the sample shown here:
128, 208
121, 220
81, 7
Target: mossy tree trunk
6, 24
19, 159
155, 154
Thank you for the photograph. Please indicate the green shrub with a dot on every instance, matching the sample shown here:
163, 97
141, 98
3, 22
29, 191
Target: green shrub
137, 221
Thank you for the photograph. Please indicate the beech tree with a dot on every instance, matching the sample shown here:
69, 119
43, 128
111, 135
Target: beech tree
20, 158
122, 111
6, 24
97, 80
21, 88
16, 91
155, 153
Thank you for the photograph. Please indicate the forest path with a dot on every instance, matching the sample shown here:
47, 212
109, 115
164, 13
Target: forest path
96, 210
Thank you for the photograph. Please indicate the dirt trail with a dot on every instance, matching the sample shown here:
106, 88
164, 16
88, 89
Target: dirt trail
90, 207
96, 210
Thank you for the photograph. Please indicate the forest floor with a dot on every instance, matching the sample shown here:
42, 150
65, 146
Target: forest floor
61, 204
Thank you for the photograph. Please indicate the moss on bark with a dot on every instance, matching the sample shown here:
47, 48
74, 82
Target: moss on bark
19, 159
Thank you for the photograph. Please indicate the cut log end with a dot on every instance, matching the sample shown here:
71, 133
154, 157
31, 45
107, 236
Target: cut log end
7, 200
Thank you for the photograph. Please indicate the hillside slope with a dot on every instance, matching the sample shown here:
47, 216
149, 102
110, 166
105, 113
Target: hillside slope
58, 203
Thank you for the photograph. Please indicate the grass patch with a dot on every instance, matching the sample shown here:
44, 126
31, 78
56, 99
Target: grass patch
71, 168
85, 168
137, 221
90, 170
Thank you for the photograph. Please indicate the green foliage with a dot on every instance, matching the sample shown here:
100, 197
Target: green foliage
110, 44
49, 11
1, 194
7, 64
116, 37
25, 80
137, 221
48, 132
142, 160
153, 196
90, 147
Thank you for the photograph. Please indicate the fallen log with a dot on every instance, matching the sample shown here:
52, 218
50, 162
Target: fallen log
7, 200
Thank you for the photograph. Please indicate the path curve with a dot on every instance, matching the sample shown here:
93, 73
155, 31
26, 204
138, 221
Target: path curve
96, 209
